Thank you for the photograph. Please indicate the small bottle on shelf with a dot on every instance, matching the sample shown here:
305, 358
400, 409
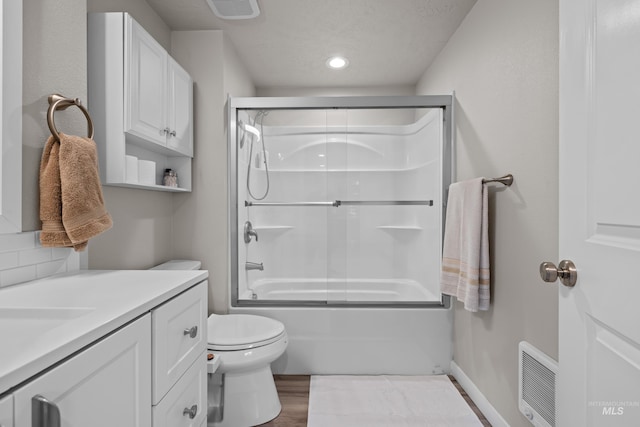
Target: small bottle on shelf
170, 178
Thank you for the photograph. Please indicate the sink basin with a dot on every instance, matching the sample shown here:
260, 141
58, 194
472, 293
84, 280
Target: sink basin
32, 321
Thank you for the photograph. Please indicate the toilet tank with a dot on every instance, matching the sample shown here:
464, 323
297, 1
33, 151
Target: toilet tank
178, 264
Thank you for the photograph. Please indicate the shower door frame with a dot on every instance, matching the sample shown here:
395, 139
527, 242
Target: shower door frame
444, 102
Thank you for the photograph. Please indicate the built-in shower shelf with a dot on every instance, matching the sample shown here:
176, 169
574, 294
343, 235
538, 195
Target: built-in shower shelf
400, 227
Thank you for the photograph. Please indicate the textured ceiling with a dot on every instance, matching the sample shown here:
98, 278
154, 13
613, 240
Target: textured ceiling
387, 42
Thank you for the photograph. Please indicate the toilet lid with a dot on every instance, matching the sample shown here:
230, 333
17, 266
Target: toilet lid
241, 330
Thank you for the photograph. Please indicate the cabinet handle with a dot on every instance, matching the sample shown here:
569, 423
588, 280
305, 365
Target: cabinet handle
191, 412
44, 413
192, 332
173, 133
166, 131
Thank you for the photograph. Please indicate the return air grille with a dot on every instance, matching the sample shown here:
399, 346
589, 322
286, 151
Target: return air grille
537, 400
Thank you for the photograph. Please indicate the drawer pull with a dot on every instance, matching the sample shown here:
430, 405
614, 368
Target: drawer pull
192, 332
191, 412
44, 413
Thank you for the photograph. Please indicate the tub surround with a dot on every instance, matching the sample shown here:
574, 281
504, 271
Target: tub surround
76, 310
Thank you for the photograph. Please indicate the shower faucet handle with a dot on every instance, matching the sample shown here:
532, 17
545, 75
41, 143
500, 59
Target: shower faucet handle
249, 232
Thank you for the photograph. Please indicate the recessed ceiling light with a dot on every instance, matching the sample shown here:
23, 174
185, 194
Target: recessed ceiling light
337, 62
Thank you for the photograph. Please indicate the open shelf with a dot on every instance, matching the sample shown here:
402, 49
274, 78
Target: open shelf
151, 187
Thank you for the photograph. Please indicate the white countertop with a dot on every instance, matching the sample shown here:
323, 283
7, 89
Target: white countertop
45, 321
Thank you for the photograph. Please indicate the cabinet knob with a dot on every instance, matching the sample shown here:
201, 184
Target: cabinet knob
191, 412
192, 331
173, 133
166, 131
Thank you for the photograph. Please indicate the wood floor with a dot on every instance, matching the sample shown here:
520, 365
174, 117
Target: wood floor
293, 391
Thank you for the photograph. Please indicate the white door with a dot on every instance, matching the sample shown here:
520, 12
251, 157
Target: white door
180, 109
599, 347
107, 385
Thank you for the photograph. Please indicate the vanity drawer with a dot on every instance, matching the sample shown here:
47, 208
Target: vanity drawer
188, 395
179, 337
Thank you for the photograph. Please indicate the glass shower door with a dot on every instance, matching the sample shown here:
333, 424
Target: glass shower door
287, 204
390, 197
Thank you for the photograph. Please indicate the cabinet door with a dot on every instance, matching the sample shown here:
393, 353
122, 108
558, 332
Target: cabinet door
180, 109
6, 411
106, 385
145, 85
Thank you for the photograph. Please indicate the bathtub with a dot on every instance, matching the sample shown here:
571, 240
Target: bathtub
340, 290
326, 339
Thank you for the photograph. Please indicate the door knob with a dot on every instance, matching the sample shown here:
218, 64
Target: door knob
566, 271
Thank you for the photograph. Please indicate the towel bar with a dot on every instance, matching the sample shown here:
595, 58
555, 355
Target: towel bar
59, 102
506, 180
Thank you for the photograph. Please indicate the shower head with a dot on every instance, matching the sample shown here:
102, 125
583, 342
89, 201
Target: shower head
251, 129
248, 128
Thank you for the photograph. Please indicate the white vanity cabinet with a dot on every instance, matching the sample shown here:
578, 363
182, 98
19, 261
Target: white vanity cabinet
141, 101
6, 411
103, 386
144, 364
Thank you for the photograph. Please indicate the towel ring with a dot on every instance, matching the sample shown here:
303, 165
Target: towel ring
59, 102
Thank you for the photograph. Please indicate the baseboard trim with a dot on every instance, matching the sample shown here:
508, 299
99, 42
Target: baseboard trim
478, 398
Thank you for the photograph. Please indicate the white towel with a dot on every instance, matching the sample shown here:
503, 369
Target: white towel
465, 254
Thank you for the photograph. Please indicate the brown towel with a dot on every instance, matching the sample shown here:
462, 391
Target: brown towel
71, 204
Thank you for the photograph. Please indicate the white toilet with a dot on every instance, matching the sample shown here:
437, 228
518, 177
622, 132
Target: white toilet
242, 392
246, 346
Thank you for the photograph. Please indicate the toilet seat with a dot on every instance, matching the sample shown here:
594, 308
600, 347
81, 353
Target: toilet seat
242, 331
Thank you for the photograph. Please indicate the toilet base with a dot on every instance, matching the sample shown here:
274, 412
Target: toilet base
250, 398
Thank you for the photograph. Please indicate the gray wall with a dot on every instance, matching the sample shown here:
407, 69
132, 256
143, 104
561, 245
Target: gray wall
141, 12
503, 65
200, 228
54, 61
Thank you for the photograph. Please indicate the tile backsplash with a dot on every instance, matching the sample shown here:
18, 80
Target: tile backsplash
22, 258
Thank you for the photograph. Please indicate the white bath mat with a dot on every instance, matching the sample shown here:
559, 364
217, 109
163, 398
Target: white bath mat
389, 401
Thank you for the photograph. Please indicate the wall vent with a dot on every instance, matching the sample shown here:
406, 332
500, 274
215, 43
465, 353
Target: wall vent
235, 9
537, 386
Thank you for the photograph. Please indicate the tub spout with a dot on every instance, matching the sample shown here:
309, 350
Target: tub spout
253, 266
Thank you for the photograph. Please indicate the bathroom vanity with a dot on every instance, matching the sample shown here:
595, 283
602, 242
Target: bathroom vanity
105, 348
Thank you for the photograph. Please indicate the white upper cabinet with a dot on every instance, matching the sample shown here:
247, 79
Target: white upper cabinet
141, 101
146, 85
180, 111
